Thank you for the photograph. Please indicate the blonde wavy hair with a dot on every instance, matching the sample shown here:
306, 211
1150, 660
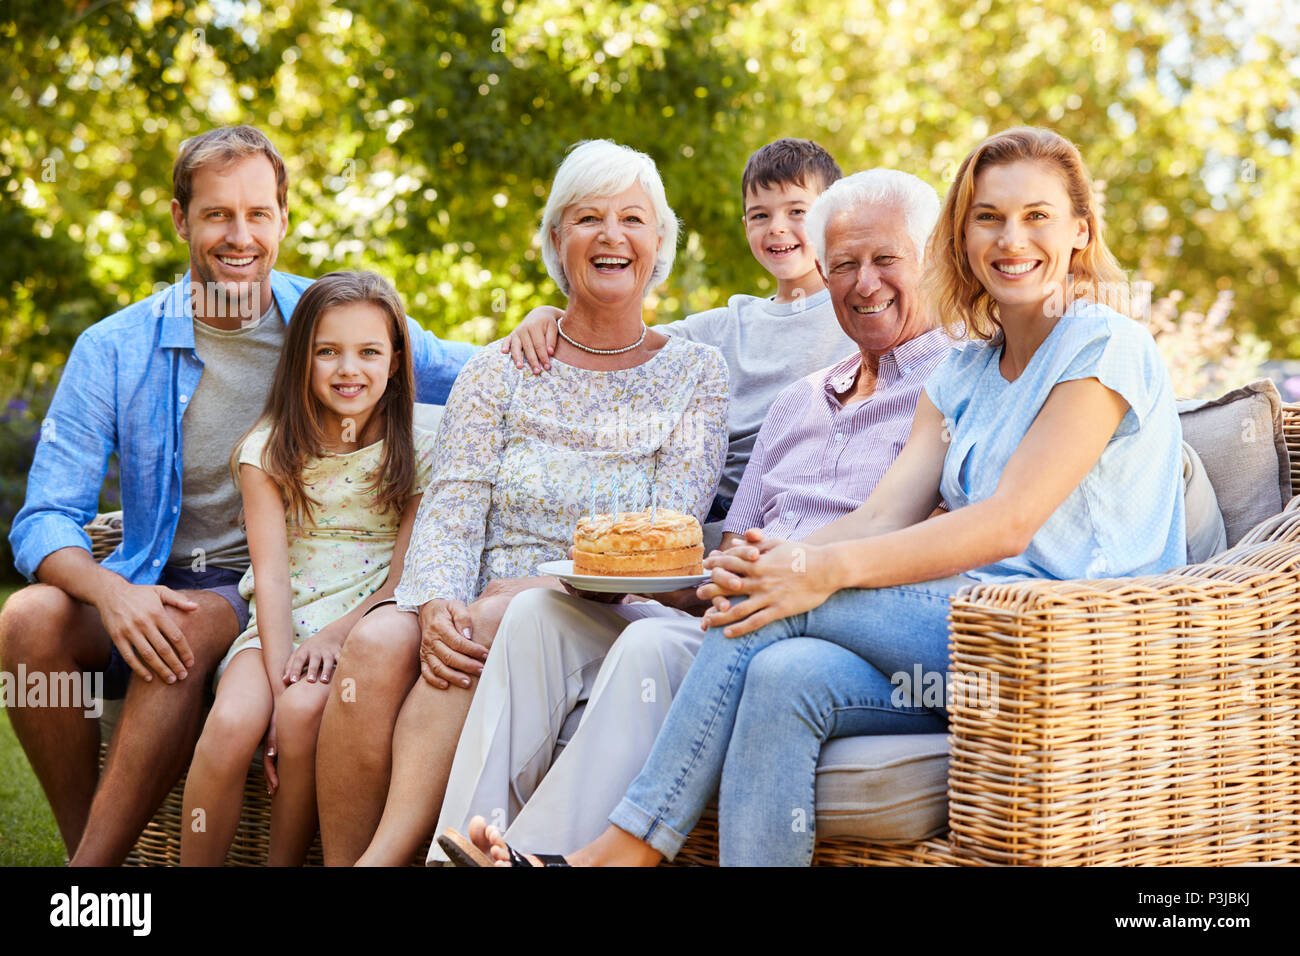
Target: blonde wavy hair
951, 287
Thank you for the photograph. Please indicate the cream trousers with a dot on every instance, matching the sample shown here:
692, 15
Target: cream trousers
553, 652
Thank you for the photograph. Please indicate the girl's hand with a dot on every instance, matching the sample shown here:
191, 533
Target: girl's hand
784, 579
448, 652
269, 750
534, 339
317, 656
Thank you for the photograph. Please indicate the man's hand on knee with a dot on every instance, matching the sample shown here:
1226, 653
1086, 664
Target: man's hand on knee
142, 629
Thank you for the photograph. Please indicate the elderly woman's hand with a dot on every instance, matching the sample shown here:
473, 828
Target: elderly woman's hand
783, 578
447, 652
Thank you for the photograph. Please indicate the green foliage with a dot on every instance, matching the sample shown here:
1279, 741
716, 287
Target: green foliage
421, 139
20, 431
28, 833
1189, 126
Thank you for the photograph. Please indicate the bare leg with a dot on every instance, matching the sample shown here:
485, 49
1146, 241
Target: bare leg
46, 631
293, 811
424, 745
380, 662
155, 737
214, 787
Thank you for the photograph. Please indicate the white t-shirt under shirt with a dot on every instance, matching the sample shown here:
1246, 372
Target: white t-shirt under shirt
767, 345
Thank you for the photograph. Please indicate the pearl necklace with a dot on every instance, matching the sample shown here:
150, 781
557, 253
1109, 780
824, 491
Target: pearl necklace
586, 348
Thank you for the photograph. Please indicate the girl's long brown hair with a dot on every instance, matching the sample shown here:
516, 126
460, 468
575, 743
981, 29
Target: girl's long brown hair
955, 294
294, 415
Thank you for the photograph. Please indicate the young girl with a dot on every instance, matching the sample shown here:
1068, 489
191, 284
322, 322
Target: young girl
331, 478
1053, 437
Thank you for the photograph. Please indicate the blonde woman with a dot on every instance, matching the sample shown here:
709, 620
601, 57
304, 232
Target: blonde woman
1054, 441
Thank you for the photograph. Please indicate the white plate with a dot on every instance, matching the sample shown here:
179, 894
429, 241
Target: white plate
611, 585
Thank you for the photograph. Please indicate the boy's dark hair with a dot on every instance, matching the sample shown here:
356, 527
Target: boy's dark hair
789, 161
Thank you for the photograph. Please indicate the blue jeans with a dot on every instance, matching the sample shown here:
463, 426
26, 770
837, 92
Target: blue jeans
798, 694
892, 630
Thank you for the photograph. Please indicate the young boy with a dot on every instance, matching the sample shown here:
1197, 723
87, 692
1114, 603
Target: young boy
767, 342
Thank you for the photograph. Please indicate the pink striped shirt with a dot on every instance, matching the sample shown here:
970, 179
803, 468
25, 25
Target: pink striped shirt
815, 459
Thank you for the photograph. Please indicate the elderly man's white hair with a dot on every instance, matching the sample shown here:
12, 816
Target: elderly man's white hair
597, 168
892, 187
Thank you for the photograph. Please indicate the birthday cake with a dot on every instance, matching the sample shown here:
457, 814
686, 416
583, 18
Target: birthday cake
658, 543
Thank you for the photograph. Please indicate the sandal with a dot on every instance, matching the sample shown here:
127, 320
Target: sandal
546, 859
462, 852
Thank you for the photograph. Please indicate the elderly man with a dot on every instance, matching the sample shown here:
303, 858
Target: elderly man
168, 384
825, 443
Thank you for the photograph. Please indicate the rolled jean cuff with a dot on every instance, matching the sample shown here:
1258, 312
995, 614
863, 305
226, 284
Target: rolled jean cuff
647, 828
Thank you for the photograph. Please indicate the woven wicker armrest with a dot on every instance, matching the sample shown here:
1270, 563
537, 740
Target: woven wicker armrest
105, 534
1138, 721
1291, 433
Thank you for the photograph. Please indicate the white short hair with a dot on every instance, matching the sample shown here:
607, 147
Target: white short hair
598, 167
870, 188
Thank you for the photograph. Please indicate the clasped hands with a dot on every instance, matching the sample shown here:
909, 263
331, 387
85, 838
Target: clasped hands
778, 579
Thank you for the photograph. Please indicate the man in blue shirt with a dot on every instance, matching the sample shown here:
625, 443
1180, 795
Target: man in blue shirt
169, 384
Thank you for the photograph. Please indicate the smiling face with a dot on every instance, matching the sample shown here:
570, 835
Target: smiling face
608, 246
352, 360
233, 226
774, 226
873, 271
1020, 235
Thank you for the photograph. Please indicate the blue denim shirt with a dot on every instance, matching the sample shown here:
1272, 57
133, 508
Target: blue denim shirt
124, 389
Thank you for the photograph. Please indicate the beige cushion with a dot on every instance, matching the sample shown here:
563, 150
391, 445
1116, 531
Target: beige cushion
888, 789
1239, 439
428, 417
1206, 536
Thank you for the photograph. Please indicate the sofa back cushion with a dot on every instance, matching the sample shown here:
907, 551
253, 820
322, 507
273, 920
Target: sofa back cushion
1239, 439
428, 417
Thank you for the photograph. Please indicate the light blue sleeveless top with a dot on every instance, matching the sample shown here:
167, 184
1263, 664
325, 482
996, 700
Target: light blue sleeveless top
1126, 516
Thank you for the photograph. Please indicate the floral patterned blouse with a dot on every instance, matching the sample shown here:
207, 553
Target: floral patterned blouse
521, 457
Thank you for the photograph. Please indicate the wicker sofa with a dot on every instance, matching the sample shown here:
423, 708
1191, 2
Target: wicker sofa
1139, 721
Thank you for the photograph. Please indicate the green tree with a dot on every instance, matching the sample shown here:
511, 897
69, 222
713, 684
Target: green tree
421, 140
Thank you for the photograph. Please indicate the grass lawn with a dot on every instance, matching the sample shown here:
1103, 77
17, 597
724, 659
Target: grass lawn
28, 836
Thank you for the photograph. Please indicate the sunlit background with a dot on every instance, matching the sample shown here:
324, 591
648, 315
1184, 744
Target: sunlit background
421, 141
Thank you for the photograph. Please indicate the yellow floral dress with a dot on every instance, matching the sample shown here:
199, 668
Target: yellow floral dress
344, 558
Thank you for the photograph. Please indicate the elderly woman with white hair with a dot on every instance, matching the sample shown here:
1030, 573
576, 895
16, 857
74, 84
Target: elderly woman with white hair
520, 459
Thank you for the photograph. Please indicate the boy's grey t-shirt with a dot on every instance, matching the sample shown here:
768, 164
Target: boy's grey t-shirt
767, 346
238, 366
